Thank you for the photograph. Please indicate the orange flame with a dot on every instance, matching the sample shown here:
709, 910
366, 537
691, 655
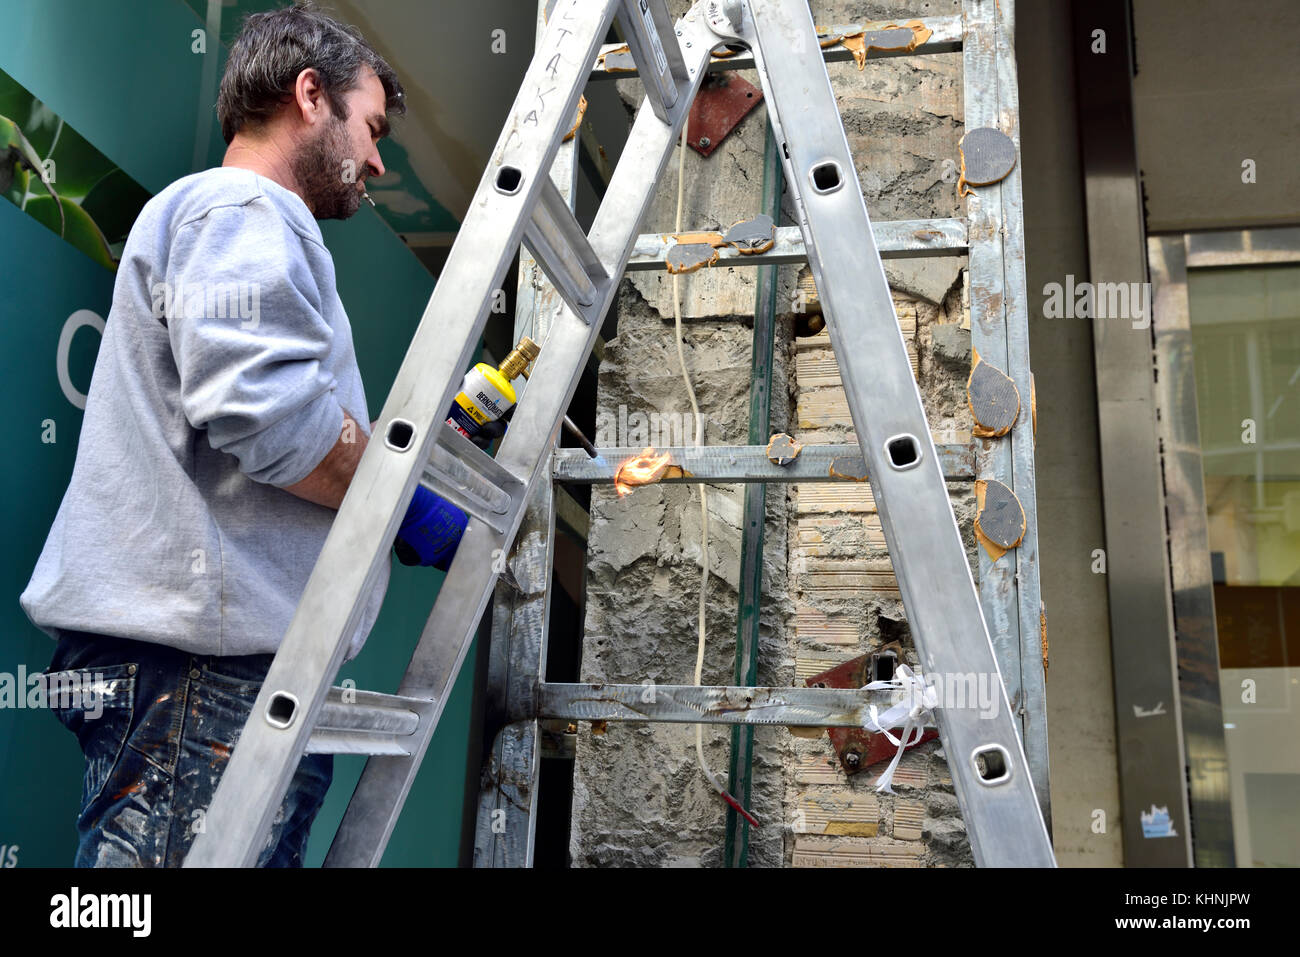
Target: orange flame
640, 469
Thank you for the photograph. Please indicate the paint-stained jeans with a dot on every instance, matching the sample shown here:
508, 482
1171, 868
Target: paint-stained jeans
157, 748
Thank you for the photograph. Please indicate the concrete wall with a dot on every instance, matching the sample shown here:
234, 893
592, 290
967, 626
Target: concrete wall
639, 797
1080, 692
1216, 86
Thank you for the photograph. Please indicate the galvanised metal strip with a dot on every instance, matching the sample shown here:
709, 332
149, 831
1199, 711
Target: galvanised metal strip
986, 759
749, 604
1015, 301
507, 816
741, 463
360, 539
897, 239
993, 460
726, 704
1009, 586
946, 37
386, 781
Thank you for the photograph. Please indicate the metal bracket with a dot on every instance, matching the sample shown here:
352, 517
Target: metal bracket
855, 747
723, 101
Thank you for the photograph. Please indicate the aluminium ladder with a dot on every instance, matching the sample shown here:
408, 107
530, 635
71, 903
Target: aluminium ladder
1009, 587
298, 712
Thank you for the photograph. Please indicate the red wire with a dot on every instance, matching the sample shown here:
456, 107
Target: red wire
740, 810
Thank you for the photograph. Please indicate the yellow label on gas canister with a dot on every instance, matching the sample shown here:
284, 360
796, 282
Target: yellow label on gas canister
485, 396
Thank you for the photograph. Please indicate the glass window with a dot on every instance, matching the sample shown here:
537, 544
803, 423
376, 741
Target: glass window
1245, 324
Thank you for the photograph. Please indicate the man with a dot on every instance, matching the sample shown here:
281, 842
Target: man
224, 421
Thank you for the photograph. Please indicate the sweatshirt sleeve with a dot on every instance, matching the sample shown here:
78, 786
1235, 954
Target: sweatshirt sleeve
250, 341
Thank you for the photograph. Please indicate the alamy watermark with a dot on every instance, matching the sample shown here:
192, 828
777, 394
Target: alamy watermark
1102, 300
208, 300
125, 911
980, 691
72, 690
636, 430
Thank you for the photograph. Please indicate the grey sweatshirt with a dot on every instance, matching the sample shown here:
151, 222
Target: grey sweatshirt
223, 374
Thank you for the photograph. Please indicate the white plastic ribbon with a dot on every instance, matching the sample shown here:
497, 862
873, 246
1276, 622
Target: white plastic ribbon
914, 710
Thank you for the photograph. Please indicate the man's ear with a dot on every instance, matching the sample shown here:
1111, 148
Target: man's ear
310, 103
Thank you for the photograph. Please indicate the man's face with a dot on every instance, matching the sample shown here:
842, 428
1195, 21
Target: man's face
332, 167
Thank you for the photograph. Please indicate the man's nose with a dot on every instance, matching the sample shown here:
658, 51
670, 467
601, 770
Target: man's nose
376, 164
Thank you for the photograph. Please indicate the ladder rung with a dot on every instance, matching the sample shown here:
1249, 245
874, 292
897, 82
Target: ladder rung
947, 37
898, 239
694, 704
740, 464
366, 722
654, 49
470, 479
356, 742
560, 247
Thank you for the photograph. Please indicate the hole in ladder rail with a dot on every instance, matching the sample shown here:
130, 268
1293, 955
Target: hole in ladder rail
400, 435
282, 709
826, 176
992, 763
508, 180
904, 452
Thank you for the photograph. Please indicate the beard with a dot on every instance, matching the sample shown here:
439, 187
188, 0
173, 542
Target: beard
319, 169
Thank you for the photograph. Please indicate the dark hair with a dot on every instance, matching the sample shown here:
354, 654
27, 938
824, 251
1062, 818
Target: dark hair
273, 48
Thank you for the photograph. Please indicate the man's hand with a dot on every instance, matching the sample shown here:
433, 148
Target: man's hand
489, 432
431, 531
432, 528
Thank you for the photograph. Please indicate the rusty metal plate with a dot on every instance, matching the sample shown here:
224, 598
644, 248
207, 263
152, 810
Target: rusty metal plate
718, 109
858, 749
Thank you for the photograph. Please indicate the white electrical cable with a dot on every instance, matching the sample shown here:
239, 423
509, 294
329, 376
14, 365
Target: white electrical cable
704, 501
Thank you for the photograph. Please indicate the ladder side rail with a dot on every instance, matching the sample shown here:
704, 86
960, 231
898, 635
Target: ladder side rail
1003, 818
385, 782
258, 775
648, 29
